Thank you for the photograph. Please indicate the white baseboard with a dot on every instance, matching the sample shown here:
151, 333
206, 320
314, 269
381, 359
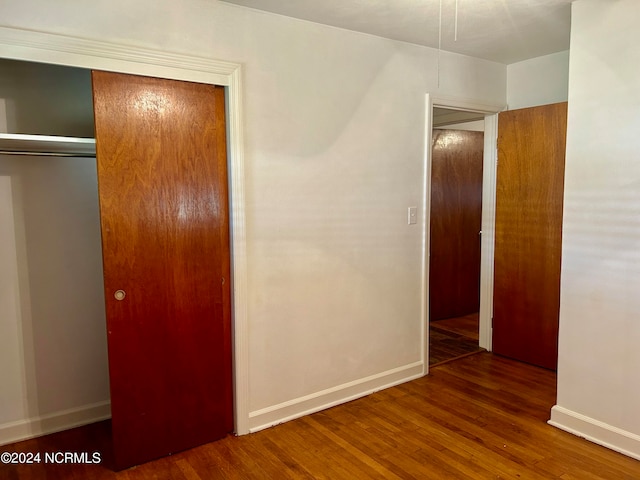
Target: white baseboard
298, 407
258, 420
596, 431
54, 422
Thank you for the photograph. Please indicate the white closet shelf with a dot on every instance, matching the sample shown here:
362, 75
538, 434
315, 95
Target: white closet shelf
22, 144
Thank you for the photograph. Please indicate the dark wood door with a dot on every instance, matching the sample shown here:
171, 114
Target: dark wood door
162, 182
530, 186
456, 219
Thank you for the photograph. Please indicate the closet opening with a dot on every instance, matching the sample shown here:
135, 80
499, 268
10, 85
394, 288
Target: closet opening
51, 216
53, 356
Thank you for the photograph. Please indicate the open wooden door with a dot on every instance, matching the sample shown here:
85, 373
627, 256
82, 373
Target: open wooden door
529, 196
162, 183
455, 220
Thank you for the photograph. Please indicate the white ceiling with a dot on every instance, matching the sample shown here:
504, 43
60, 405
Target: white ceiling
504, 31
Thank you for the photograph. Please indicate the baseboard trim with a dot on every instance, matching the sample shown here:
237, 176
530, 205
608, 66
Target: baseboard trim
596, 431
54, 422
299, 407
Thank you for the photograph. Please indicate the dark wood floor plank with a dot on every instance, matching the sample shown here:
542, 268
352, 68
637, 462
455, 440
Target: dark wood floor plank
467, 325
453, 338
357, 456
390, 452
450, 434
306, 449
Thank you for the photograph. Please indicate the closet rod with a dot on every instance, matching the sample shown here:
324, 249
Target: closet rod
47, 154
23, 144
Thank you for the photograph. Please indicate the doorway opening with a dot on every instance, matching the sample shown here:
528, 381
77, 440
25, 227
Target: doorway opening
460, 203
455, 222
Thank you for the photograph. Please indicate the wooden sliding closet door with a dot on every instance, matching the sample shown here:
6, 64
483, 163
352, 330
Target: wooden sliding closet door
162, 182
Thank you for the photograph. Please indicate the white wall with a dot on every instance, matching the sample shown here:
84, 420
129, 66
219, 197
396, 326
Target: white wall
538, 81
599, 354
334, 150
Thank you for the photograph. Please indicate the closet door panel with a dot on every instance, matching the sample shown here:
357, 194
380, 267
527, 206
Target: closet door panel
162, 183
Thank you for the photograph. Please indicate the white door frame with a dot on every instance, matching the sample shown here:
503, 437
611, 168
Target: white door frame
18, 44
490, 157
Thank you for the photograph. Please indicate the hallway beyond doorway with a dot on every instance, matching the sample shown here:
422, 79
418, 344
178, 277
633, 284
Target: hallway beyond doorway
453, 338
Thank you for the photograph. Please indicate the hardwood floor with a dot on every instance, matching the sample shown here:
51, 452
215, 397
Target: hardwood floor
468, 325
453, 338
480, 417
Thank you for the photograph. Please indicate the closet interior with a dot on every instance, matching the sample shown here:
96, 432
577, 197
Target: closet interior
53, 352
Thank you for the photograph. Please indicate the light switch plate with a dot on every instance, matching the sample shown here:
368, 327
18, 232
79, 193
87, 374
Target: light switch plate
412, 215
